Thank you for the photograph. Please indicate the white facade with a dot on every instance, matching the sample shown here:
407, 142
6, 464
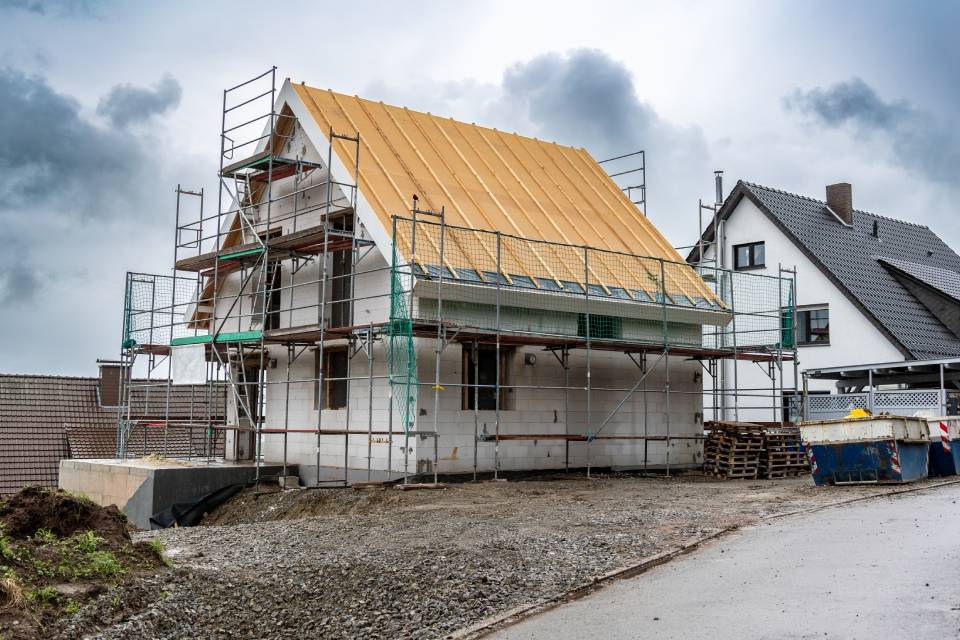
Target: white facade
853, 337
294, 406
527, 411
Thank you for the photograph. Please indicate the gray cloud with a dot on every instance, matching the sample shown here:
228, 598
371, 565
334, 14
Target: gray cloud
51, 154
584, 94
586, 98
45, 7
72, 193
919, 141
126, 104
852, 101
19, 282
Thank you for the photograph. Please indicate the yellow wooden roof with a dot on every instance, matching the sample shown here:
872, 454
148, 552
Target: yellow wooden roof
493, 180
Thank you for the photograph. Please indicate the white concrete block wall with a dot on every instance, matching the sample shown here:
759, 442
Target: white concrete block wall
541, 411
528, 411
300, 294
303, 415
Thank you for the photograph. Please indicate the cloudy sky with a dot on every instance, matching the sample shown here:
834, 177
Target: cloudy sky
106, 106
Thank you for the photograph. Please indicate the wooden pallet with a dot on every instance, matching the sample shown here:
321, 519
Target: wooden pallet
748, 451
784, 453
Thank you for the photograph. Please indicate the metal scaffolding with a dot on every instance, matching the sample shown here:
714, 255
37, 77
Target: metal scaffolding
284, 268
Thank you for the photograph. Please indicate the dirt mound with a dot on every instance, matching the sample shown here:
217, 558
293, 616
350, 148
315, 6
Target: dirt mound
58, 551
247, 507
61, 513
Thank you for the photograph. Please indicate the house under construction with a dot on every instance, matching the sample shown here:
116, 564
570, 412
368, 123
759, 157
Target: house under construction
388, 292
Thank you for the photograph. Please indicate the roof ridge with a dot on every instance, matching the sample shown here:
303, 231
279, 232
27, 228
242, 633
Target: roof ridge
824, 203
442, 117
889, 219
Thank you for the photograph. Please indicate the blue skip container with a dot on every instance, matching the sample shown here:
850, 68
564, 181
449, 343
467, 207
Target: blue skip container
944, 445
870, 450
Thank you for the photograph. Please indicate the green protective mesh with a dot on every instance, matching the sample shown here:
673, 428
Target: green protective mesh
786, 320
401, 355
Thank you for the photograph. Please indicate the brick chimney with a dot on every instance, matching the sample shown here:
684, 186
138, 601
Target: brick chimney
840, 200
108, 389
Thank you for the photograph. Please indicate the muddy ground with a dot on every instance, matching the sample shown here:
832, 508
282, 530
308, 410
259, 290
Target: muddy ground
421, 564
58, 551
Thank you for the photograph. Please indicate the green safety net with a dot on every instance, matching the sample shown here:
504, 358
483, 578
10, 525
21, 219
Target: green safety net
786, 322
401, 356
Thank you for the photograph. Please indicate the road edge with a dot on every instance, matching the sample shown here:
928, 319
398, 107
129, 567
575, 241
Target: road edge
512, 616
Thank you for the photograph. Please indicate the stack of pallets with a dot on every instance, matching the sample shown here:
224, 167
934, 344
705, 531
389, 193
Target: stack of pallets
733, 449
783, 453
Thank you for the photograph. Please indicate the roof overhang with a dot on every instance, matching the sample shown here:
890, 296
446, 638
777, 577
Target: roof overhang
881, 373
321, 141
453, 291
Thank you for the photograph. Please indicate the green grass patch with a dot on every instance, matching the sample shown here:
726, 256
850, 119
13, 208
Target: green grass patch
7, 551
76, 495
45, 536
98, 564
43, 595
160, 549
43, 568
86, 542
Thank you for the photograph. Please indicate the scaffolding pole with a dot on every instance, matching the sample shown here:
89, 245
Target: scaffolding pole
477, 282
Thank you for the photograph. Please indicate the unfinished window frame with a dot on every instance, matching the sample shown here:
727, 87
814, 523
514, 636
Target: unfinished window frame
466, 378
323, 397
341, 277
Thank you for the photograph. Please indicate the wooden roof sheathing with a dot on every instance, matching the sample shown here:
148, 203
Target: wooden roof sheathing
491, 180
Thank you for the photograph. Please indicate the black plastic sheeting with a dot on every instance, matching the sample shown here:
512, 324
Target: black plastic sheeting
191, 512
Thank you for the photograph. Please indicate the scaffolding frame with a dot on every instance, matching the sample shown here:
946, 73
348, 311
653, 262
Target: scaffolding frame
265, 258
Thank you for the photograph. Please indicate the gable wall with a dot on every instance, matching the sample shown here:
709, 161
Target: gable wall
533, 410
853, 337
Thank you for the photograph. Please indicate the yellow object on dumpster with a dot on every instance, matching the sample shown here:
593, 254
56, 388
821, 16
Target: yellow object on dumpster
858, 413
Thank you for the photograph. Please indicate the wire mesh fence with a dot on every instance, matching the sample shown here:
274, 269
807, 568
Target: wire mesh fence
158, 309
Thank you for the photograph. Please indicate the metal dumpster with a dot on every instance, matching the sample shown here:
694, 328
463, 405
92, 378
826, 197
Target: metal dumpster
874, 449
944, 445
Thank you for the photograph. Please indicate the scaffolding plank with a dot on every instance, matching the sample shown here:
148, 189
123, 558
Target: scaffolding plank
177, 342
282, 167
245, 163
309, 240
234, 255
233, 336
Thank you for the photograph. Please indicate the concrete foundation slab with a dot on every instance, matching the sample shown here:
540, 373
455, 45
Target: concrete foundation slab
143, 487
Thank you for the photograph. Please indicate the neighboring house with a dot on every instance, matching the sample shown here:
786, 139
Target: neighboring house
869, 288
339, 304
45, 419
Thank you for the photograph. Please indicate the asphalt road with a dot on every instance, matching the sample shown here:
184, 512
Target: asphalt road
883, 568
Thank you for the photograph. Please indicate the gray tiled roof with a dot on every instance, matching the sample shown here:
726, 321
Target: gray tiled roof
943, 280
851, 257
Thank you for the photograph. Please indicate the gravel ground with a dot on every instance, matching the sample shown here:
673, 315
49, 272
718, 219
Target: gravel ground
421, 564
